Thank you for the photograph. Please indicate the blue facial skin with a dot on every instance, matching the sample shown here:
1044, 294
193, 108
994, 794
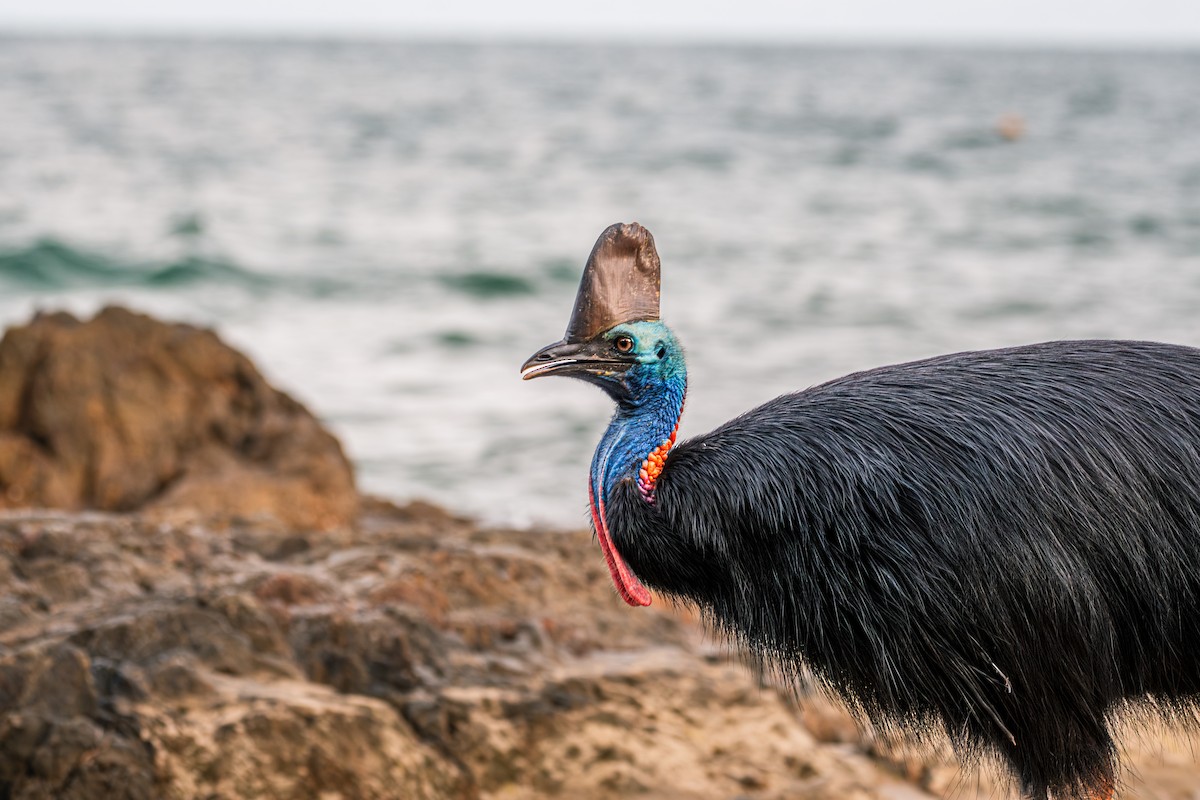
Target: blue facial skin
649, 396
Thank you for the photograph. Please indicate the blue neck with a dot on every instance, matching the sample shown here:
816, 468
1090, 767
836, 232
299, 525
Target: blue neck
644, 419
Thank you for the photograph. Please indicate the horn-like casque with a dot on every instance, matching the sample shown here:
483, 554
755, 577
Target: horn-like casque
620, 283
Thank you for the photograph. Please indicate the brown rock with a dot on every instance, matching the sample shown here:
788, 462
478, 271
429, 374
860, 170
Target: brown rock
124, 412
193, 664
53, 737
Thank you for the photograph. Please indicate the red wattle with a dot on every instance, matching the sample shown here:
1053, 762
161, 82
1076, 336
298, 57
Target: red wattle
628, 586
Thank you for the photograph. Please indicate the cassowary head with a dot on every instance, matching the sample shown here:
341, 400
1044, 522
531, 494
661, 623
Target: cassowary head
615, 339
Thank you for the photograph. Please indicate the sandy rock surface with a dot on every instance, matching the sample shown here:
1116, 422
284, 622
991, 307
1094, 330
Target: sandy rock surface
124, 412
415, 655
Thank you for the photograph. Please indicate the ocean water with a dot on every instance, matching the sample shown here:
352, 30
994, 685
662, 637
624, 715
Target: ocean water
390, 228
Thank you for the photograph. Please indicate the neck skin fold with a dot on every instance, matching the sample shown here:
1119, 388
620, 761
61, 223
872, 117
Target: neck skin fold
643, 425
636, 430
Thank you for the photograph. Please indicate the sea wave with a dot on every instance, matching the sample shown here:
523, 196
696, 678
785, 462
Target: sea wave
50, 265
393, 229
484, 284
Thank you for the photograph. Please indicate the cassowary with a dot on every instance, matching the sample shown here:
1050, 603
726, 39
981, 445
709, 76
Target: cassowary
1004, 544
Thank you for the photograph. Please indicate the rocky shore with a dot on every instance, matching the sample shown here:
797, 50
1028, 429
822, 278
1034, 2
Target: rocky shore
414, 656
244, 625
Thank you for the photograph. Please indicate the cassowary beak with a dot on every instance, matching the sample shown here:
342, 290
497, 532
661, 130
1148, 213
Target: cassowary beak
576, 359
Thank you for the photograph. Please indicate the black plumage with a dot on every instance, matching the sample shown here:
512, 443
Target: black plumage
1004, 542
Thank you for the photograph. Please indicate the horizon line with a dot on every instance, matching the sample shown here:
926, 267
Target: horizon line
696, 38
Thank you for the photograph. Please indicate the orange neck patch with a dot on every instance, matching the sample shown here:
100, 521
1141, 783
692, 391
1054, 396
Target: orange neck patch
652, 467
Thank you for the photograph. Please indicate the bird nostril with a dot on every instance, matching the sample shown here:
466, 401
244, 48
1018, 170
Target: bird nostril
543, 357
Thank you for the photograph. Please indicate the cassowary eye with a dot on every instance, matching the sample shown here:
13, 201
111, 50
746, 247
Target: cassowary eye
624, 344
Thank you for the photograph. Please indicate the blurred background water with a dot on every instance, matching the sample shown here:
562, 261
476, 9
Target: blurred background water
390, 228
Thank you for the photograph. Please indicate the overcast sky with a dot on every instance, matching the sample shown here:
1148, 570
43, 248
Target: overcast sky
1147, 22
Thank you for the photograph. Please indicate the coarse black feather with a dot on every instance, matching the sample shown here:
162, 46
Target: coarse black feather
1004, 543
